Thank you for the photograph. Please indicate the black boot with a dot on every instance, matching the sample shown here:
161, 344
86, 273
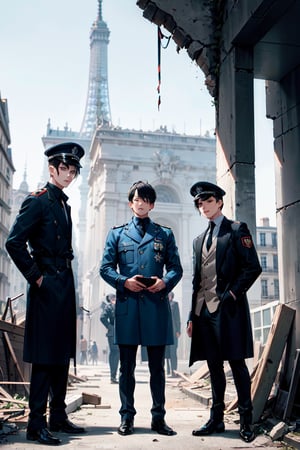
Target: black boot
246, 431
215, 424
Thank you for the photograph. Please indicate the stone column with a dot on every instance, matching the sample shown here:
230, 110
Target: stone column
235, 136
283, 106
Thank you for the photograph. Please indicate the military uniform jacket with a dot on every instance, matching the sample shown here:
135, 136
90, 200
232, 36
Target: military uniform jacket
141, 317
237, 267
107, 317
39, 243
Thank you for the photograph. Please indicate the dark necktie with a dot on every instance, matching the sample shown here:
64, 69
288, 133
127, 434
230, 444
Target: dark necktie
209, 239
140, 223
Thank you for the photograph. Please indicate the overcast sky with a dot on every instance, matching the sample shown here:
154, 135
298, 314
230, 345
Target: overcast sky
44, 51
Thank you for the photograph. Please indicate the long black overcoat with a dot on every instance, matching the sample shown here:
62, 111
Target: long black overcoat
237, 267
39, 243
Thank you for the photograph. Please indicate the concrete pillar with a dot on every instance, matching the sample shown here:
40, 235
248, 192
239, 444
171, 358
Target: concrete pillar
283, 106
235, 136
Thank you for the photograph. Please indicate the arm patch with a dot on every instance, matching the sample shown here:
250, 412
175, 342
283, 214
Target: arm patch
247, 241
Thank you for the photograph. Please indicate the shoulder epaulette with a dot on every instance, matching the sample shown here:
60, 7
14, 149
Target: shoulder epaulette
118, 226
39, 192
163, 226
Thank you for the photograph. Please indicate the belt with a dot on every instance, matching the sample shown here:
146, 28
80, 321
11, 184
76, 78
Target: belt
55, 261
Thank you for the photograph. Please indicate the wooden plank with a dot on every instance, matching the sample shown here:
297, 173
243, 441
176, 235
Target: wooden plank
14, 358
73, 402
91, 399
11, 328
5, 394
199, 373
270, 359
12, 400
293, 387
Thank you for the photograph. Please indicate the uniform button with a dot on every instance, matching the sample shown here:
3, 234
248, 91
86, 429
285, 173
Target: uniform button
141, 252
142, 266
58, 236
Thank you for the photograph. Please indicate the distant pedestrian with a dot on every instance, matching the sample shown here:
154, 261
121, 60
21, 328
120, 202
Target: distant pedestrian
107, 317
94, 353
171, 350
83, 350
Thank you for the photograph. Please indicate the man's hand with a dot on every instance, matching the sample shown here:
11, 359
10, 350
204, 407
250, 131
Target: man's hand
189, 328
159, 285
132, 284
39, 281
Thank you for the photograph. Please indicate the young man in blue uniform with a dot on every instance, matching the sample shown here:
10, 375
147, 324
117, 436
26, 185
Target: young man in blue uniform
142, 263
225, 266
40, 244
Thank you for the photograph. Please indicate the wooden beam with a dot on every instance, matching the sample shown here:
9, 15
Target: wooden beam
268, 365
293, 387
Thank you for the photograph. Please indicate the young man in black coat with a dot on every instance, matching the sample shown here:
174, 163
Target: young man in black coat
40, 244
225, 265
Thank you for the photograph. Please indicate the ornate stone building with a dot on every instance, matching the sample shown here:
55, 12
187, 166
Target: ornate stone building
6, 179
114, 159
171, 163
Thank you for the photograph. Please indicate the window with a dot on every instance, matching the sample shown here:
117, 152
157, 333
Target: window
276, 288
264, 288
275, 263
263, 262
262, 239
274, 240
165, 194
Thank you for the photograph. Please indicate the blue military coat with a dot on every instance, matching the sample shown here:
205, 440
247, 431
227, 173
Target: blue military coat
141, 317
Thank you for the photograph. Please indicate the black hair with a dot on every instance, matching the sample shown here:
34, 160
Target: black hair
55, 162
144, 190
206, 197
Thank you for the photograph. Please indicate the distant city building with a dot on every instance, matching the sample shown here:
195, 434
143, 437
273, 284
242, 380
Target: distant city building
17, 281
266, 244
171, 163
115, 158
262, 313
6, 179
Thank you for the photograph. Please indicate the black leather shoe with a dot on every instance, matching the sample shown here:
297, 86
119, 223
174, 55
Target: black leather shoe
66, 427
43, 436
126, 427
161, 427
209, 428
246, 433
114, 381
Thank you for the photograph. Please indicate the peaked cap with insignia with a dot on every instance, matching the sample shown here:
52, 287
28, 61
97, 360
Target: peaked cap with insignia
204, 190
68, 152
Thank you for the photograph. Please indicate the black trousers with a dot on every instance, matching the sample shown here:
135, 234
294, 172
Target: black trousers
113, 357
47, 381
210, 323
156, 359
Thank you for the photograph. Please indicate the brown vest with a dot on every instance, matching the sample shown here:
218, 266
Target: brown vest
208, 285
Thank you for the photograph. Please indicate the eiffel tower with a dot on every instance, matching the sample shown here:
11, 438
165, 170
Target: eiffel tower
97, 111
